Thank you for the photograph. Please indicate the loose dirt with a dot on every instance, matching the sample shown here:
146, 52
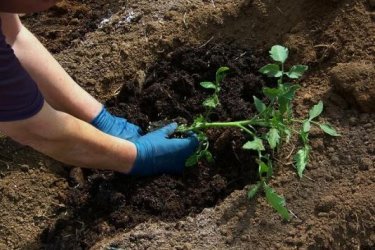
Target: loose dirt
123, 59
108, 202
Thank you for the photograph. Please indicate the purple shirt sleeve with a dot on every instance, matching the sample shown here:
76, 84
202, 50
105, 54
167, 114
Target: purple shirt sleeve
20, 98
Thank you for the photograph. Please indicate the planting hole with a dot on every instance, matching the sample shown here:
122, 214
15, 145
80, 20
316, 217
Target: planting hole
107, 202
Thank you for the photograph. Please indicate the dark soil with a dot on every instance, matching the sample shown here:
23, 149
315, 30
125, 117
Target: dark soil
69, 21
103, 202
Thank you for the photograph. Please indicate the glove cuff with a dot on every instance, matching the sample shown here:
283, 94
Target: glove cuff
141, 166
103, 120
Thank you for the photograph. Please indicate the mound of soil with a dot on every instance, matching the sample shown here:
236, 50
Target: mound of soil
104, 202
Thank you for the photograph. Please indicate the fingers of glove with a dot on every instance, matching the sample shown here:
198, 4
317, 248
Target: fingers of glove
192, 141
191, 133
186, 146
167, 130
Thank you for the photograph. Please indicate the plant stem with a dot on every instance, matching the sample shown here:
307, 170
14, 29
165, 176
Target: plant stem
237, 124
247, 130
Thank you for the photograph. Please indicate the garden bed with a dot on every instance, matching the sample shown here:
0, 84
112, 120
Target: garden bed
103, 202
148, 70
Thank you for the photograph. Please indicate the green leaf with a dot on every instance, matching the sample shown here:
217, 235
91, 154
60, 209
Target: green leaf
201, 137
288, 134
259, 105
285, 98
220, 74
301, 159
270, 168
254, 190
276, 201
271, 70
199, 121
316, 110
211, 102
304, 136
297, 71
256, 144
289, 91
306, 126
208, 156
273, 137
328, 129
192, 160
208, 85
272, 93
181, 128
279, 53
263, 168
284, 104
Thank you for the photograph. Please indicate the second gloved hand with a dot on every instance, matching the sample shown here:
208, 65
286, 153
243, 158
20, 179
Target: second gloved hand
116, 126
158, 154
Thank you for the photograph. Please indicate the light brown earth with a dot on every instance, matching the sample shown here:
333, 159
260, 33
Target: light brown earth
334, 205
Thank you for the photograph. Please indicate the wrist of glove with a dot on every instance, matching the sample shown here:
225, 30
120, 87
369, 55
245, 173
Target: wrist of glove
158, 154
116, 126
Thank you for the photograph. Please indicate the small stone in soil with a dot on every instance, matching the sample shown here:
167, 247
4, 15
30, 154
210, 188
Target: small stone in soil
365, 164
326, 204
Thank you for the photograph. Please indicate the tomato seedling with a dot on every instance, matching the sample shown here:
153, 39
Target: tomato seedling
275, 114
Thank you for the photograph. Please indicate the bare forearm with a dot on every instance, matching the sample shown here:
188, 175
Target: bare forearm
59, 89
84, 146
72, 141
61, 132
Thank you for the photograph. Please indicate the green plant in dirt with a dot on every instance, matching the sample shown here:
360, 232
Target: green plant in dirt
275, 113
213, 101
210, 104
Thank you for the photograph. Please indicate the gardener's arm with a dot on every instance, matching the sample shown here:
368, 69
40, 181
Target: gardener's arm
26, 117
58, 88
72, 141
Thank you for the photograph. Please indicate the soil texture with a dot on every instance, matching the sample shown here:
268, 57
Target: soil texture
170, 90
133, 56
69, 21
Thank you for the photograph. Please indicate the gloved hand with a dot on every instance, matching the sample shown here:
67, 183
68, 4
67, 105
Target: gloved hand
116, 126
157, 154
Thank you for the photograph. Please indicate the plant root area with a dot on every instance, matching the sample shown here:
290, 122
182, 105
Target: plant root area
104, 202
144, 60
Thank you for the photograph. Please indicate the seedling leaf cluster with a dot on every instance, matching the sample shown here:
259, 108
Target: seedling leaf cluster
275, 114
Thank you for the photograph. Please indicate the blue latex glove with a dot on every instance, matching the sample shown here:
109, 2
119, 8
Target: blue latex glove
116, 126
157, 154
